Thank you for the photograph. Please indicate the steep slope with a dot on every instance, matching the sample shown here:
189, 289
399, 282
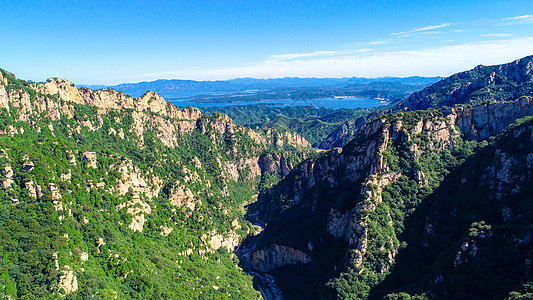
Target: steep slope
330, 217
472, 237
343, 134
500, 83
105, 194
505, 82
312, 123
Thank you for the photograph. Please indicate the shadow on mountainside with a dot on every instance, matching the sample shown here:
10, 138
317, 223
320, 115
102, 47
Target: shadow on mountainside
471, 238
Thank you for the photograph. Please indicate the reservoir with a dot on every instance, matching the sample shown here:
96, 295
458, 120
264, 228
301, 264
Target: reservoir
333, 103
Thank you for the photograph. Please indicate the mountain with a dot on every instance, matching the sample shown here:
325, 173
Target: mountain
105, 195
472, 236
109, 196
419, 204
313, 123
181, 88
483, 84
504, 82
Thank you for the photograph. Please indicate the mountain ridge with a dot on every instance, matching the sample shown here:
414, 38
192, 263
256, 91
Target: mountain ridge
133, 198
498, 83
168, 87
358, 200
504, 82
126, 197
340, 198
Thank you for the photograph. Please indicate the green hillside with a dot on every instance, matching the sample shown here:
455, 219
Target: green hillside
127, 198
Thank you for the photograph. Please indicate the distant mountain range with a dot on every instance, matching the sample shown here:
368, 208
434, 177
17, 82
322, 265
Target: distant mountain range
134, 198
172, 88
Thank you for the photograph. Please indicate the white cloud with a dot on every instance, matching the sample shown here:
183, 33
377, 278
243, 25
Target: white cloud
371, 43
495, 35
421, 29
377, 43
519, 20
443, 61
293, 56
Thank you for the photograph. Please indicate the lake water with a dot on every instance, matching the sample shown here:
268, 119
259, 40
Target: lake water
334, 103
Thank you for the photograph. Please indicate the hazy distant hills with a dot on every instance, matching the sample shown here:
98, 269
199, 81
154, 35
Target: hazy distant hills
180, 88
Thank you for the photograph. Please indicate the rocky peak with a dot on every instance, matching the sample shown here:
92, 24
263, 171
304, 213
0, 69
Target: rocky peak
3, 81
61, 87
520, 70
153, 102
223, 124
275, 163
106, 99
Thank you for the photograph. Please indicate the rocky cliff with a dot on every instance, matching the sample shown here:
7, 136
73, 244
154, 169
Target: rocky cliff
472, 235
488, 84
276, 256
117, 177
345, 193
482, 121
342, 134
56, 99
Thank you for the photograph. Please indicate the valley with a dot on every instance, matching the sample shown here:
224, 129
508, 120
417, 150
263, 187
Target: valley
107, 195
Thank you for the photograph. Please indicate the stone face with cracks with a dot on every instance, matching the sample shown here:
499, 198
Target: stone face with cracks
276, 256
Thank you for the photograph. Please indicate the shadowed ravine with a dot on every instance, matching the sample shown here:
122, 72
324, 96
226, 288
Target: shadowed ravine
263, 282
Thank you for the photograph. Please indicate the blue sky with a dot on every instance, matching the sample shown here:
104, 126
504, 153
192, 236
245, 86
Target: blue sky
109, 42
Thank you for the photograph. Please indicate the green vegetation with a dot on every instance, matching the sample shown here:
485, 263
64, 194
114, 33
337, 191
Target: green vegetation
457, 248
131, 204
420, 175
63, 214
16, 84
130, 264
423, 239
314, 124
481, 85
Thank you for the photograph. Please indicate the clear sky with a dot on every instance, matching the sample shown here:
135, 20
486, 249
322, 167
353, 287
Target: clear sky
109, 42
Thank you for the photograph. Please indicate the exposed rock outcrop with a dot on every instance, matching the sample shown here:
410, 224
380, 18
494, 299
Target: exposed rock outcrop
276, 256
68, 282
4, 99
275, 163
165, 231
33, 189
482, 121
342, 134
90, 157
132, 179
137, 209
8, 175
230, 241
182, 197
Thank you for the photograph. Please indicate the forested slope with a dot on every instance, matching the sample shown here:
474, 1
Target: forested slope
111, 196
